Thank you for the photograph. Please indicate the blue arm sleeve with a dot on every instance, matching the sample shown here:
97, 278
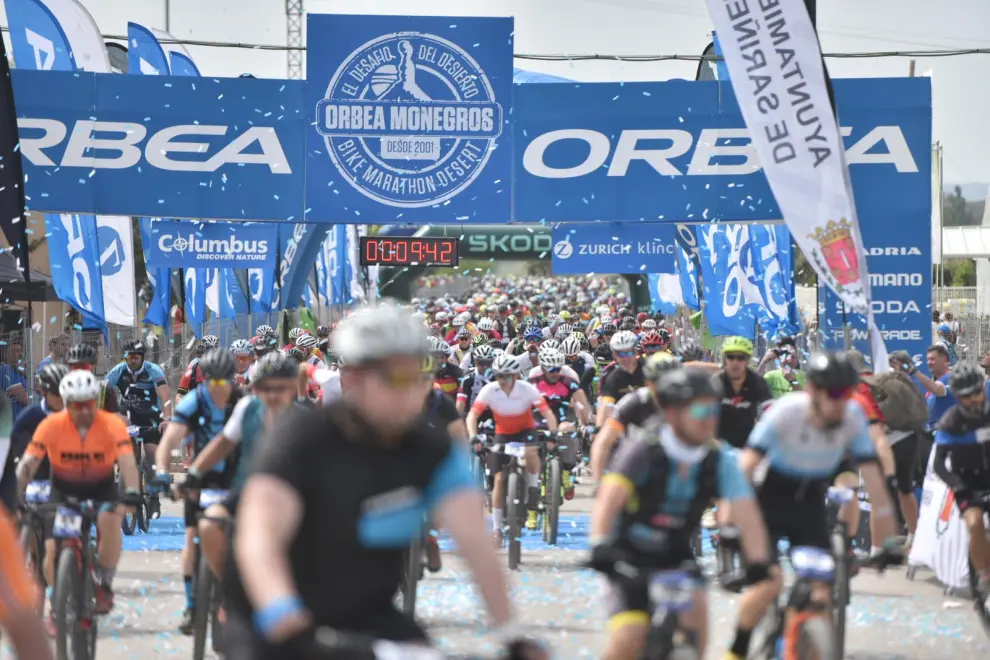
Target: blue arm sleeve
187, 407
450, 476
113, 376
732, 484
945, 438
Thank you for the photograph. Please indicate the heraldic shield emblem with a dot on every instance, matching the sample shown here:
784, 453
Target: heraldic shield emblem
839, 250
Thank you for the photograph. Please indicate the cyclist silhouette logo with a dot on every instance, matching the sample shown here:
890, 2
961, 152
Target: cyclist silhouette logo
409, 119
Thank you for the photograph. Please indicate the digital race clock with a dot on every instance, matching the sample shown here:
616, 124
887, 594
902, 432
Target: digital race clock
408, 250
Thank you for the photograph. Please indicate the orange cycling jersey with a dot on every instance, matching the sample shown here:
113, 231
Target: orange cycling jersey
79, 463
18, 592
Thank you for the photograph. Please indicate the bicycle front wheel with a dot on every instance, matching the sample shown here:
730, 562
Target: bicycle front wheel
71, 637
551, 521
515, 507
816, 639
840, 589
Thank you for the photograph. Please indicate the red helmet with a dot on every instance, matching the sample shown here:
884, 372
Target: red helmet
642, 316
651, 338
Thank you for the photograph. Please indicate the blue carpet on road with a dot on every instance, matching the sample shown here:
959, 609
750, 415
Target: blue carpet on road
166, 534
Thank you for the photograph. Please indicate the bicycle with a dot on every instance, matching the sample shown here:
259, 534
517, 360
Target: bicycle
671, 593
844, 562
141, 518
552, 488
516, 494
74, 601
206, 586
33, 531
412, 574
981, 600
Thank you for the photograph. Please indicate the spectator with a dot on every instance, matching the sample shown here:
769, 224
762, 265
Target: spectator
985, 363
788, 377
936, 319
954, 326
58, 346
12, 380
944, 339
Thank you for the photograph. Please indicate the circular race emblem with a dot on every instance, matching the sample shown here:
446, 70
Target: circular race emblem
410, 119
563, 249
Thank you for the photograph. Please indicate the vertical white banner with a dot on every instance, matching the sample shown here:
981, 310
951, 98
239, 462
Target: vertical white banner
89, 53
941, 541
936, 203
116, 240
775, 65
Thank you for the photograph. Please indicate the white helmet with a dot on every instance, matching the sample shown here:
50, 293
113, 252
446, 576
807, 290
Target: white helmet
648, 324
79, 385
551, 343
603, 310
571, 346
497, 351
442, 347
551, 358
440, 317
376, 333
505, 365
483, 352
623, 340
306, 341
486, 324
461, 319
564, 330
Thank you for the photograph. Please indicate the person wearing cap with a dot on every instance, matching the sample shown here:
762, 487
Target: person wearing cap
788, 377
945, 338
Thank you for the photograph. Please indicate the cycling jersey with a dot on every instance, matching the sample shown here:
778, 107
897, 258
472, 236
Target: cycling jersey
205, 420
618, 382
362, 504
20, 437
461, 355
81, 466
440, 411
244, 428
18, 592
191, 377
666, 501
557, 395
965, 441
634, 409
512, 410
740, 409
799, 450
138, 392
448, 377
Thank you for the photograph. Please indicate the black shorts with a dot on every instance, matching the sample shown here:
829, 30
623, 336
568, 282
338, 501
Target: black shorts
794, 512
905, 453
242, 642
107, 492
231, 502
498, 460
622, 598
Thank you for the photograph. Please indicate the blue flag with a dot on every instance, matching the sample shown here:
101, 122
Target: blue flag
195, 285
160, 279
299, 245
688, 265
773, 274
731, 297
74, 252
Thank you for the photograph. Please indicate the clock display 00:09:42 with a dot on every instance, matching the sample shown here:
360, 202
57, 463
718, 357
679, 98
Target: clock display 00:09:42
409, 250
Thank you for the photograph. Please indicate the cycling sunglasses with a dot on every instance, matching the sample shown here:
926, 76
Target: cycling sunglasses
133, 355
652, 348
552, 370
624, 354
485, 364
737, 357
217, 382
703, 411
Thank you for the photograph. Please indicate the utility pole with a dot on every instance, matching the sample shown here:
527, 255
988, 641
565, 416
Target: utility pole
168, 16
294, 38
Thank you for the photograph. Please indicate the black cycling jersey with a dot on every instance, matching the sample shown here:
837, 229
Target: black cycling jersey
740, 409
618, 382
961, 439
635, 409
362, 504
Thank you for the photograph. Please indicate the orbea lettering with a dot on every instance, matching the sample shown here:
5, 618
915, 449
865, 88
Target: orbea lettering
117, 145
712, 144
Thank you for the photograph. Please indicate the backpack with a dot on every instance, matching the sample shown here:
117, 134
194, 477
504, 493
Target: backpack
903, 405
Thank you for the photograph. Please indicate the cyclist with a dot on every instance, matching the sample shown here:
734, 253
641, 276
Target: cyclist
961, 437
564, 396
201, 413
745, 392
550, 345
582, 362
274, 393
461, 351
448, 375
532, 339
323, 340
625, 377
294, 334
804, 438
83, 356
265, 331
307, 344
192, 376
244, 353
649, 506
143, 392
18, 617
82, 444
651, 342
328, 512
477, 378
634, 410
512, 402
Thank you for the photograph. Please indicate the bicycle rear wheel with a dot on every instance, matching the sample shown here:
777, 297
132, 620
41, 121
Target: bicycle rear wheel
71, 636
515, 507
205, 588
551, 517
979, 598
817, 639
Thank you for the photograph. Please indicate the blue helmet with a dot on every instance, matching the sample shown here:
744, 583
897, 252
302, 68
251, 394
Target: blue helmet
533, 334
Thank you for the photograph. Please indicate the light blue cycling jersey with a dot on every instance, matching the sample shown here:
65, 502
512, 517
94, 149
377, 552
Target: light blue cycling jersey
138, 390
798, 449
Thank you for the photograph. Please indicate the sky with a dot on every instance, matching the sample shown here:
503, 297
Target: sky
961, 85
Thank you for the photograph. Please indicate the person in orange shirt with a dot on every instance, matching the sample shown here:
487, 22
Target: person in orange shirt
19, 598
83, 444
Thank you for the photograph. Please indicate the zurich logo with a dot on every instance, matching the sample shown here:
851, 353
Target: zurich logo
409, 119
563, 249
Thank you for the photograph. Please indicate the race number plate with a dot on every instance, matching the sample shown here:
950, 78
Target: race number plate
68, 524
208, 498
38, 492
517, 449
813, 563
672, 591
134, 431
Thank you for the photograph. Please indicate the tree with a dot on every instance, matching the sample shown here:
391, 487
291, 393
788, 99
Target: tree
955, 211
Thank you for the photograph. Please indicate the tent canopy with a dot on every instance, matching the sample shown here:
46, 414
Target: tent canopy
965, 242
13, 288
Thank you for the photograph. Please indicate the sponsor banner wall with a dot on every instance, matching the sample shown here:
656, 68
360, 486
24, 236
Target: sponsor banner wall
613, 248
672, 151
183, 244
412, 118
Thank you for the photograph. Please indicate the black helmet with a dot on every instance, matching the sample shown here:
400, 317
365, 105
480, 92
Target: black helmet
275, 365
603, 354
831, 371
81, 354
628, 323
51, 376
295, 355
965, 379
133, 346
691, 352
323, 331
681, 386
218, 363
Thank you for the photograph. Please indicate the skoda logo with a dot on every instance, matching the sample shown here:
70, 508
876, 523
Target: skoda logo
409, 119
563, 249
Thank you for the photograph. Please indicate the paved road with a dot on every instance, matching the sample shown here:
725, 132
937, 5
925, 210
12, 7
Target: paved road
891, 618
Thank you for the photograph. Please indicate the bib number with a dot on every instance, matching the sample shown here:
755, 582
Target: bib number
983, 435
38, 492
68, 524
134, 431
517, 449
672, 591
208, 498
813, 563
